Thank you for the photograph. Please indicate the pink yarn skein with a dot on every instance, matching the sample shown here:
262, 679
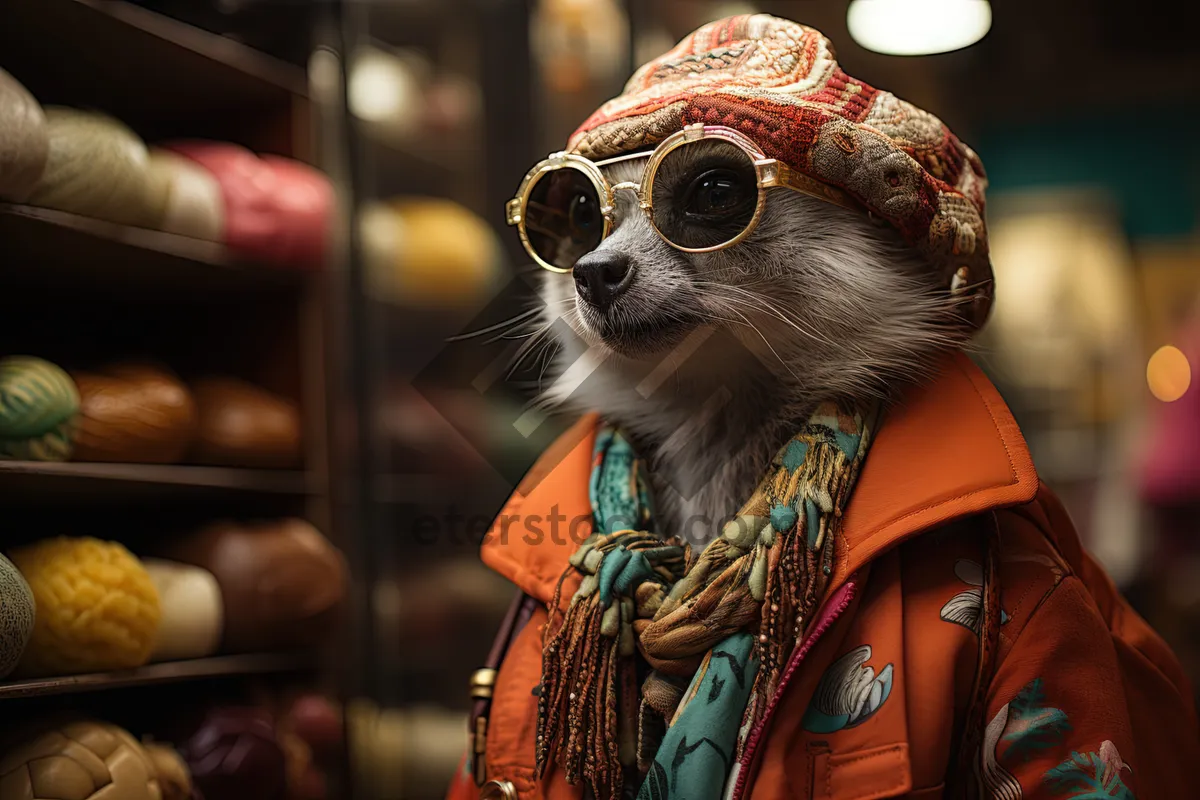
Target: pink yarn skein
276, 210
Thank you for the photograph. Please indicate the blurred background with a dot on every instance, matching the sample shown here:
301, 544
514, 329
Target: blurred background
425, 114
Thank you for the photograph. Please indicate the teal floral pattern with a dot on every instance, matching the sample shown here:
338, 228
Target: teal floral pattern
1028, 726
1092, 776
1033, 726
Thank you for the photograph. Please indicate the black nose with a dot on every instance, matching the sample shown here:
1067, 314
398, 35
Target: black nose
601, 276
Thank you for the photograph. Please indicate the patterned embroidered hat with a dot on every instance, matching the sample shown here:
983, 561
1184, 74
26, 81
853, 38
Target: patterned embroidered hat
779, 83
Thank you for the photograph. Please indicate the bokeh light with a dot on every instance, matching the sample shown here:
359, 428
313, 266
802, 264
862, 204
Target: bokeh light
918, 27
1168, 374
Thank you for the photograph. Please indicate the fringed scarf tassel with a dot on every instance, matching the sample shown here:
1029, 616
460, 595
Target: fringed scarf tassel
587, 707
727, 621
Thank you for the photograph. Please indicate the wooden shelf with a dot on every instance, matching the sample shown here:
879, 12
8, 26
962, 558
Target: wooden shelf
168, 672
414, 489
159, 75
430, 157
87, 480
45, 247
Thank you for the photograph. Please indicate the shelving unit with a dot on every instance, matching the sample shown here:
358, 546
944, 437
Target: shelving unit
161, 77
42, 479
62, 246
115, 291
158, 674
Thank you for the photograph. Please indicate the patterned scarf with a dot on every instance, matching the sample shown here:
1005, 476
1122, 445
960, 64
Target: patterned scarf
714, 632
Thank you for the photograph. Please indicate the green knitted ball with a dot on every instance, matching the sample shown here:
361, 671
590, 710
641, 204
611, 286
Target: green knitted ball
38, 408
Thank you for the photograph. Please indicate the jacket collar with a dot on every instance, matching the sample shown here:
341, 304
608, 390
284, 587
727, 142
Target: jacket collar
949, 450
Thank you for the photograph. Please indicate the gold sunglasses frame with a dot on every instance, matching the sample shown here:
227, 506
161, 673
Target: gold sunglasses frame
771, 173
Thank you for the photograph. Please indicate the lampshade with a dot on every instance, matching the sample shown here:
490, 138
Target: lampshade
918, 27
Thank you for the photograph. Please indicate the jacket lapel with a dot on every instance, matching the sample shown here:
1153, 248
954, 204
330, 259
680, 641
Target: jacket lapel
949, 450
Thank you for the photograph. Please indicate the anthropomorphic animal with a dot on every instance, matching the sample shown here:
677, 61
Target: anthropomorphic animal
808, 553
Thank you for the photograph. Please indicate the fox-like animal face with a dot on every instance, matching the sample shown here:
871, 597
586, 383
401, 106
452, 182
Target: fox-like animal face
710, 361
831, 302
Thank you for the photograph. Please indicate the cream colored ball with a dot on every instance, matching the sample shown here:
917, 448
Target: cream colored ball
82, 760
98, 168
191, 197
24, 140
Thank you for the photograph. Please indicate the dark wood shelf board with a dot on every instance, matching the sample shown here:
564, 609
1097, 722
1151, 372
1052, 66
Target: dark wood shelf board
155, 674
29, 479
137, 64
248, 63
413, 489
43, 246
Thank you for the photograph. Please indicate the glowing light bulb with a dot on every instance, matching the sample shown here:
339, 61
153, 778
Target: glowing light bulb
918, 27
1168, 374
381, 88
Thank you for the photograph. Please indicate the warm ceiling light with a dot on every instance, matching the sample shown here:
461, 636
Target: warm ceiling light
381, 87
918, 27
1169, 374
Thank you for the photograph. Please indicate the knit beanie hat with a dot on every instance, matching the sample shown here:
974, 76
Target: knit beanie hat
779, 83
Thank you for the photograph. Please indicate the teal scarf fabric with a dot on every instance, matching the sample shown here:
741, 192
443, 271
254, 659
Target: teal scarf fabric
664, 660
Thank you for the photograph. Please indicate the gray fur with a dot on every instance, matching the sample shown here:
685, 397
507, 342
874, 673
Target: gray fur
819, 303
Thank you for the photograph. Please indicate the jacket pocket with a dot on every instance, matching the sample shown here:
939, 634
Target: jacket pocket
872, 774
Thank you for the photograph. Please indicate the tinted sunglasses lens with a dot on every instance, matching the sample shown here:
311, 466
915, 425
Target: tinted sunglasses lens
562, 217
705, 193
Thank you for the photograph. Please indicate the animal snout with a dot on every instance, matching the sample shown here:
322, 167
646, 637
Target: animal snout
601, 276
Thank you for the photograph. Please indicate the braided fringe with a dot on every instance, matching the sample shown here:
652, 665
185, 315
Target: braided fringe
753, 576
587, 708
580, 669
798, 575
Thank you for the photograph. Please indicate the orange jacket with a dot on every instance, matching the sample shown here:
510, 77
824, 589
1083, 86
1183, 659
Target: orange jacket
1081, 699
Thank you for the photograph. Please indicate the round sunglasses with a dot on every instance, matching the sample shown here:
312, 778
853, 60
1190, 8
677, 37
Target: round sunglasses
564, 206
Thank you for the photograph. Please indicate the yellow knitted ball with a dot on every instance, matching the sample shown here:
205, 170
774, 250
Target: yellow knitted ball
97, 608
430, 251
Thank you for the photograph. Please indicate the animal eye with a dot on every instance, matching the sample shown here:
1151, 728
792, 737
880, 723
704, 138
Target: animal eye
584, 216
717, 192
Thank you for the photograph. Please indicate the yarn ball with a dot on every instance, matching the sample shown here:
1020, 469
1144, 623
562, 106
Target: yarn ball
192, 610
24, 140
277, 211
235, 754
430, 251
317, 721
97, 167
133, 413
38, 408
97, 608
404, 752
304, 780
282, 582
174, 777
82, 760
17, 611
194, 205
241, 425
